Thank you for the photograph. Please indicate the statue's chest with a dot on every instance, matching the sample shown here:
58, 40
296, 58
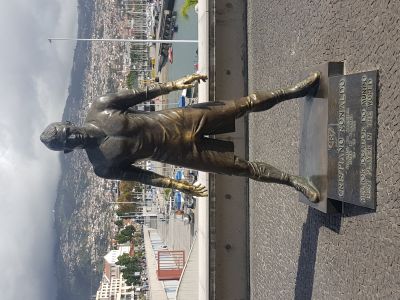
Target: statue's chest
129, 125
118, 148
114, 123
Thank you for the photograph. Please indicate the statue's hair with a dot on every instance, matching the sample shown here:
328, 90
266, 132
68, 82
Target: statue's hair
49, 136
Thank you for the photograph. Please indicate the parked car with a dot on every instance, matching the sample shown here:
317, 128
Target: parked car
188, 218
191, 202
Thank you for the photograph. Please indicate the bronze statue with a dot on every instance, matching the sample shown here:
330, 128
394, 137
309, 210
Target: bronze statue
115, 136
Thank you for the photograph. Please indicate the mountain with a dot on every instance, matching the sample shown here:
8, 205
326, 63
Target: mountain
82, 215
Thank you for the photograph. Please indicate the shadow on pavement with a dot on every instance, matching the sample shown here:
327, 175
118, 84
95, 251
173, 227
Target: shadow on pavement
309, 243
308, 251
350, 210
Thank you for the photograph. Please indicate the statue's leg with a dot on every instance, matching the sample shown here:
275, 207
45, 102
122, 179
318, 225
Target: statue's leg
266, 173
261, 101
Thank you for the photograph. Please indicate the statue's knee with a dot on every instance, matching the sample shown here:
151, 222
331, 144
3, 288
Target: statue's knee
253, 97
251, 100
241, 165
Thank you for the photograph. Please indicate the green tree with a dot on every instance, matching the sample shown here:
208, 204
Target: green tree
128, 231
122, 239
132, 80
187, 5
124, 260
125, 235
127, 186
130, 265
167, 193
119, 223
128, 193
125, 207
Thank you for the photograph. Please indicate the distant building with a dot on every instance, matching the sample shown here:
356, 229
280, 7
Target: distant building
111, 269
112, 285
116, 289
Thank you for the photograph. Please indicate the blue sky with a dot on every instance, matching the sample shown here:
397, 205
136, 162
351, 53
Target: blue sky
34, 78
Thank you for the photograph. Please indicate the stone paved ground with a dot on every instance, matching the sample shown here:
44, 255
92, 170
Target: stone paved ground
296, 252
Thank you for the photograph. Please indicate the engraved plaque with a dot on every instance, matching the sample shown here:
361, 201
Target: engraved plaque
338, 138
352, 138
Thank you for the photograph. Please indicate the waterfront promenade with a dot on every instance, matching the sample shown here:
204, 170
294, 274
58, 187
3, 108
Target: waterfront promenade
157, 291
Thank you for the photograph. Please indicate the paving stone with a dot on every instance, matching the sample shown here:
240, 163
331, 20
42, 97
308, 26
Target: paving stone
296, 252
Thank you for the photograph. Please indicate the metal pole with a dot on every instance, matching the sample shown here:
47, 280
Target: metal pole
124, 40
126, 202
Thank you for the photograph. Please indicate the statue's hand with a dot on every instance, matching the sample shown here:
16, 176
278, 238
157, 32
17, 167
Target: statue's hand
189, 81
198, 190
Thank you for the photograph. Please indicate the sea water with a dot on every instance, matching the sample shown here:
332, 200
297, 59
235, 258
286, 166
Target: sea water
184, 54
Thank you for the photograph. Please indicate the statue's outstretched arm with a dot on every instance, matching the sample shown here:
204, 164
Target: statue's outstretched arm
128, 98
133, 173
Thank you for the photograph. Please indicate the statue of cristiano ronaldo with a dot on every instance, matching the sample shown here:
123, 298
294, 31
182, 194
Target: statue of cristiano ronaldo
115, 136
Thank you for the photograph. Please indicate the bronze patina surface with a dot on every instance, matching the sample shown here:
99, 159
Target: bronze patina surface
313, 156
115, 136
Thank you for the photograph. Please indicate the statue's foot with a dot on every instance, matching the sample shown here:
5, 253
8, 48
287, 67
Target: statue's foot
306, 86
306, 187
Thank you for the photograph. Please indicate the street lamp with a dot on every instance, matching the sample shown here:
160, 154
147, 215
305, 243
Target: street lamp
124, 40
126, 202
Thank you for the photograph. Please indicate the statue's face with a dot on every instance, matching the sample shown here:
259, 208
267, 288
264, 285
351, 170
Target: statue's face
74, 137
63, 137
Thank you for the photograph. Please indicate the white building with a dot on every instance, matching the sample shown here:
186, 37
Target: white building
112, 285
111, 269
116, 289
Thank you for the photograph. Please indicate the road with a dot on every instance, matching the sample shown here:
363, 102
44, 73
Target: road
176, 234
296, 252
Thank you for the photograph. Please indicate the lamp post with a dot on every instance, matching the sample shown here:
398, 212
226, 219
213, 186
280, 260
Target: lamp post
125, 40
126, 202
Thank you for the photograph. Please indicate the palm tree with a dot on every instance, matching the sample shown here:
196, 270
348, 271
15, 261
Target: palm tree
188, 4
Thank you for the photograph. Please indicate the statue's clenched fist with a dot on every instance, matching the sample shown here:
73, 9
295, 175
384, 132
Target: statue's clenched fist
189, 81
198, 190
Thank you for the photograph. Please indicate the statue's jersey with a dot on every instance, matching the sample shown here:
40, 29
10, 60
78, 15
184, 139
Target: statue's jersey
175, 136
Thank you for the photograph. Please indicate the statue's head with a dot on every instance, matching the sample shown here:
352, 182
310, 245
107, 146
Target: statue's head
63, 136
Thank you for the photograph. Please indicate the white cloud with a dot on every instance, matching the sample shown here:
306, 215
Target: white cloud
34, 78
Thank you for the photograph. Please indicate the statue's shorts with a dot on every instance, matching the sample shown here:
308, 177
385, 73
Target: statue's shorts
197, 149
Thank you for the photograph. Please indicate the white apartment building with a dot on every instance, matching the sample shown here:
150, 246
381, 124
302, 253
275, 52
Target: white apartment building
112, 286
116, 289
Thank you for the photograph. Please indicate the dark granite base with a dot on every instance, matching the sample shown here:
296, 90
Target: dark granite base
338, 138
